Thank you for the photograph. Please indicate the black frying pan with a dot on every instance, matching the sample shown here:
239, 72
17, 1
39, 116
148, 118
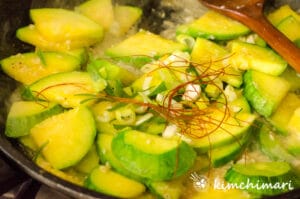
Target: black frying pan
14, 14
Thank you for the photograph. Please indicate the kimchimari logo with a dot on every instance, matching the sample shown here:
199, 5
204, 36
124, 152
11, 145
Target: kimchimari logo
201, 183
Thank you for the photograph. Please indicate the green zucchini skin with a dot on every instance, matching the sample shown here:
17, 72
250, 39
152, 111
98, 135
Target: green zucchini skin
57, 26
20, 120
258, 91
142, 48
64, 145
280, 118
105, 180
238, 126
246, 56
290, 27
103, 143
157, 166
206, 27
32, 66
69, 89
222, 155
263, 178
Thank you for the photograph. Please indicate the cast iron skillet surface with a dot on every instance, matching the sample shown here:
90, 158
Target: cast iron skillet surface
14, 14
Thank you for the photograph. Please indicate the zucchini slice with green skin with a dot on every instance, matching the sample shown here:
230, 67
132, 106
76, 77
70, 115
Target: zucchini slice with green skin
280, 118
231, 129
224, 154
64, 144
31, 35
293, 78
214, 58
69, 89
292, 141
142, 48
103, 144
258, 91
29, 67
107, 181
79, 53
125, 18
100, 11
247, 56
290, 27
23, 115
151, 156
88, 162
264, 178
281, 13
214, 26
61, 25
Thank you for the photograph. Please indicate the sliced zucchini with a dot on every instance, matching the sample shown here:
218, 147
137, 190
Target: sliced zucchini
90, 161
142, 47
80, 53
265, 178
125, 18
29, 34
69, 89
280, 118
30, 67
61, 25
294, 122
220, 156
214, 57
64, 144
247, 56
152, 157
214, 26
106, 156
100, 11
232, 127
23, 115
293, 140
290, 27
293, 78
258, 91
281, 13
107, 181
